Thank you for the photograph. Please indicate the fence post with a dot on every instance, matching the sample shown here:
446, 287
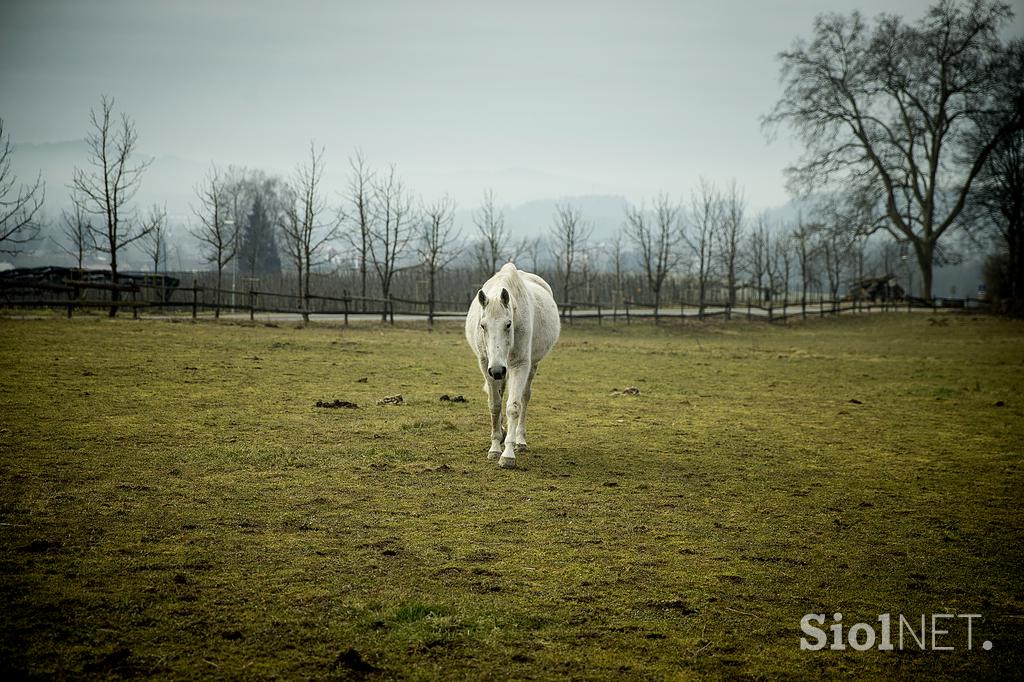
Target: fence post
599, 314
344, 296
135, 302
748, 310
252, 305
627, 311
195, 298
391, 309
430, 312
770, 312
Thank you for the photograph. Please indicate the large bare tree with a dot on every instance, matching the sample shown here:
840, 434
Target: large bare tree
110, 182
569, 236
307, 227
656, 236
886, 113
20, 205
217, 232
438, 243
997, 200
393, 222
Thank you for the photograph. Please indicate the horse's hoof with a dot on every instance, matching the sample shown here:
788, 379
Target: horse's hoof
506, 462
521, 448
493, 455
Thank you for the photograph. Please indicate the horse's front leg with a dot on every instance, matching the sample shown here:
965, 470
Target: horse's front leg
520, 443
516, 381
494, 394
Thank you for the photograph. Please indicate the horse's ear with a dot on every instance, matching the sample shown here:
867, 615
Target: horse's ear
504, 297
482, 297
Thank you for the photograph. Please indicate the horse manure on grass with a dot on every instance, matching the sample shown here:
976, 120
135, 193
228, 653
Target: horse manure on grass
336, 403
392, 400
353, 660
457, 399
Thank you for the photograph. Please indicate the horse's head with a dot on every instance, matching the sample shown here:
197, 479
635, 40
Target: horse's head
498, 332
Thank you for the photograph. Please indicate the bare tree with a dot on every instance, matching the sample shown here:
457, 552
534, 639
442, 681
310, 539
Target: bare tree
569, 235
833, 246
532, 249
155, 243
112, 181
393, 223
492, 248
730, 236
306, 229
759, 245
78, 239
782, 266
617, 255
437, 245
19, 207
238, 198
705, 220
885, 114
804, 247
360, 198
656, 236
217, 233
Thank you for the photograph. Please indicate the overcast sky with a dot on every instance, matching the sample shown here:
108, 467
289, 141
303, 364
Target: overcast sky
537, 100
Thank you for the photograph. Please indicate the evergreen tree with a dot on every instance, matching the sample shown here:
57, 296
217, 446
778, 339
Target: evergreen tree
258, 250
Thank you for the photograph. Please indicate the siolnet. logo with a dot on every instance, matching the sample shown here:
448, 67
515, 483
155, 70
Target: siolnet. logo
935, 632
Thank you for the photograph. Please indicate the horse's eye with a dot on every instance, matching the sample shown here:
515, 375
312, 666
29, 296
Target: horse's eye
508, 325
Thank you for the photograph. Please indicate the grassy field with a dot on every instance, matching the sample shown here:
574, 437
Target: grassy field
173, 504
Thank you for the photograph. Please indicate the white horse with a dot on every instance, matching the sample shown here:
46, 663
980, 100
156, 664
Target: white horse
511, 325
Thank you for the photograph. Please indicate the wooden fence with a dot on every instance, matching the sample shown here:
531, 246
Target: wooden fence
632, 310
156, 298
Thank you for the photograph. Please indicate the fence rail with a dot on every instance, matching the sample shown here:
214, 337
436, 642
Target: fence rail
158, 298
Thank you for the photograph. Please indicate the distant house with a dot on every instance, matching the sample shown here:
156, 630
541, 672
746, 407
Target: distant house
876, 289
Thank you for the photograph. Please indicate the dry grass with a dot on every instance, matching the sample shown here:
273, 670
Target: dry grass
174, 505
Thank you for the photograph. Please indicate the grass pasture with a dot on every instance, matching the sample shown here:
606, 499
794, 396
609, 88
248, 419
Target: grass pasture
173, 504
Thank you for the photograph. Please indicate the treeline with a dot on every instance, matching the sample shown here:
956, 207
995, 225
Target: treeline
913, 139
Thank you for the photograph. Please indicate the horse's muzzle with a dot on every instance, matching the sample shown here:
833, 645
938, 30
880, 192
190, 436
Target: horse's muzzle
497, 373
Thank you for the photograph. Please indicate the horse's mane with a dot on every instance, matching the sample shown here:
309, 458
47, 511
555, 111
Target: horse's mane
511, 280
